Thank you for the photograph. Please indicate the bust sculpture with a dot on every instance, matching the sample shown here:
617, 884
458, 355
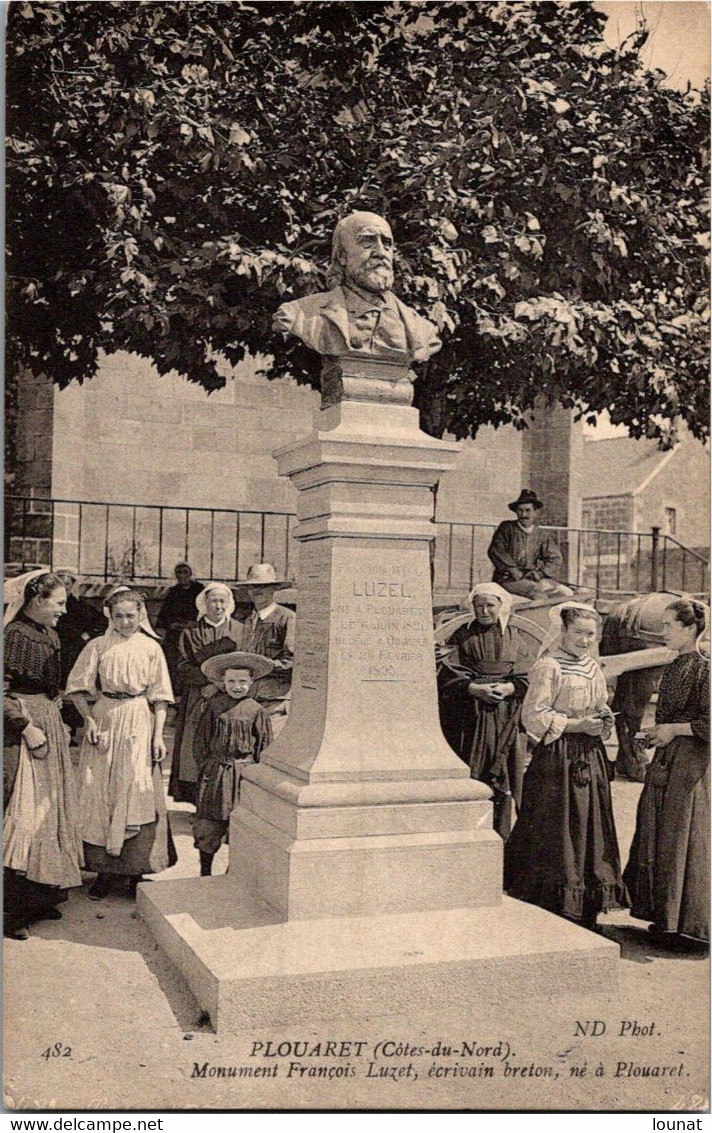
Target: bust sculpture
360, 314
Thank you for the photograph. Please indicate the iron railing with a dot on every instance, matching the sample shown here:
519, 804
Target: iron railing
103, 541
682, 568
607, 562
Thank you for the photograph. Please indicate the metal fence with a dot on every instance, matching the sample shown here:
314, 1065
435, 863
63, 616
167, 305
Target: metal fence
104, 541
614, 562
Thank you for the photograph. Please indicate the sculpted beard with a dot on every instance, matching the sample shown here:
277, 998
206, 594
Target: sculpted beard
376, 276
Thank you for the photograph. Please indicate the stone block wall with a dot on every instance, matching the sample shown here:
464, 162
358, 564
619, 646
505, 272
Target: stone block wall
609, 513
618, 563
29, 529
682, 482
551, 463
131, 436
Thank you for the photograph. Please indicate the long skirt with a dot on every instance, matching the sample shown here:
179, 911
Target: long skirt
668, 872
496, 757
42, 848
183, 783
563, 851
122, 808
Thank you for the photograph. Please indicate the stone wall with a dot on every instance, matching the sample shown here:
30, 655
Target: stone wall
131, 436
683, 483
31, 422
609, 513
609, 561
552, 465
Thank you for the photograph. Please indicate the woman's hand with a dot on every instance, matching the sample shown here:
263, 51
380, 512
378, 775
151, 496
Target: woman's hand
503, 690
36, 741
661, 734
158, 749
609, 720
91, 730
485, 693
588, 725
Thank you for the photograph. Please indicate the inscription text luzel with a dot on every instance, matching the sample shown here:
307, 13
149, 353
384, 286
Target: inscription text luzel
373, 589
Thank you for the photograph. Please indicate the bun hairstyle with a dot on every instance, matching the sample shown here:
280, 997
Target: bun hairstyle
41, 587
137, 597
572, 614
689, 612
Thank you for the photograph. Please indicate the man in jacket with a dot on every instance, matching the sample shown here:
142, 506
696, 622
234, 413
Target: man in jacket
526, 559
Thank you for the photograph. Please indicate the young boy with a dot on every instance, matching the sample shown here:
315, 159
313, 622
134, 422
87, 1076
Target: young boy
232, 732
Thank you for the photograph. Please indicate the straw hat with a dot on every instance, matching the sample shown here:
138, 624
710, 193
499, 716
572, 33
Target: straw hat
263, 574
215, 667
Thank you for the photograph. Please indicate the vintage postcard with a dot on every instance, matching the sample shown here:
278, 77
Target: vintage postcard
356, 604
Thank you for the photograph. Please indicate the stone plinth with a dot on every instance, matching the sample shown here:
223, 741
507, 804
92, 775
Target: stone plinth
249, 969
360, 806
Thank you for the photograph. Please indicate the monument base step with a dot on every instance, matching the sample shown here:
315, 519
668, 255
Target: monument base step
249, 968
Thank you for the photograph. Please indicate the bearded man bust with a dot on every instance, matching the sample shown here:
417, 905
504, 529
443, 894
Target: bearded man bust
360, 314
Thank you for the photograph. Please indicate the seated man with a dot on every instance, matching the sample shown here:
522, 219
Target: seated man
526, 559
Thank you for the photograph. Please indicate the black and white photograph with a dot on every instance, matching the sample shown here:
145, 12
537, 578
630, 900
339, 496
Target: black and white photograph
357, 557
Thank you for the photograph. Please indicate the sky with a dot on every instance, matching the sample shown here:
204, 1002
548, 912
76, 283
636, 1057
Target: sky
679, 41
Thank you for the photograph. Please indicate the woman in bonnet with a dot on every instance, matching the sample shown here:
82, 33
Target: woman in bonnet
122, 808
216, 632
563, 851
42, 851
481, 684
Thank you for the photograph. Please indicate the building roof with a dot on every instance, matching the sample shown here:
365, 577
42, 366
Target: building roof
619, 466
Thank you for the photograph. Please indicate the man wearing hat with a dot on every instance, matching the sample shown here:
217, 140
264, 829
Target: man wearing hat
526, 559
269, 631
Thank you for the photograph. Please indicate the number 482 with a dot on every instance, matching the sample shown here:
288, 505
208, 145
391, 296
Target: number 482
59, 1050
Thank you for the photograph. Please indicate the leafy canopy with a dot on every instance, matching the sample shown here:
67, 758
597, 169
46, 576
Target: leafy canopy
175, 172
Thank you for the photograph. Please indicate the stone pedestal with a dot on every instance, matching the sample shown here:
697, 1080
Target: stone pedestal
360, 806
359, 810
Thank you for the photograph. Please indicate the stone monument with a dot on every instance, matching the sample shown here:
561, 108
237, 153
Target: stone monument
365, 875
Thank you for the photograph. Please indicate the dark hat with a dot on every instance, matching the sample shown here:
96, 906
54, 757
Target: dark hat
215, 667
526, 496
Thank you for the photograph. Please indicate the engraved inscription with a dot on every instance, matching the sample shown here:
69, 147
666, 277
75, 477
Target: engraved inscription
383, 630
312, 617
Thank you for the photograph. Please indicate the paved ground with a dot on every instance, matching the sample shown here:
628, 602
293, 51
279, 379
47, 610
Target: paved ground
96, 1018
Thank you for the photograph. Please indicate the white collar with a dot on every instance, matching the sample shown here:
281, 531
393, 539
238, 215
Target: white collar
215, 625
262, 614
527, 530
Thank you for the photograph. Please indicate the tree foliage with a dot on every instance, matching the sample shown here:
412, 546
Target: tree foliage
175, 171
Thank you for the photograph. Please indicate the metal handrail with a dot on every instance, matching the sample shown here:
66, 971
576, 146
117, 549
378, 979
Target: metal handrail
688, 550
603, 559
144, 507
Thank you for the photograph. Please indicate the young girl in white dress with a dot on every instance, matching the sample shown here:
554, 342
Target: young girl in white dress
122, 811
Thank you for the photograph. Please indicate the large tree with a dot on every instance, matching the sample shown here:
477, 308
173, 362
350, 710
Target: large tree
175, 171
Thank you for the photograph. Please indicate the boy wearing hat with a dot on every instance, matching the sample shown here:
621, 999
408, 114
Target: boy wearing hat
269, 631
233, 730
526, 559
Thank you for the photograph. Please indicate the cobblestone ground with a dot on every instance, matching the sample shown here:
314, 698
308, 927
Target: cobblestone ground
96, 1017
